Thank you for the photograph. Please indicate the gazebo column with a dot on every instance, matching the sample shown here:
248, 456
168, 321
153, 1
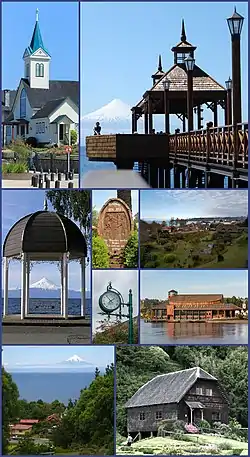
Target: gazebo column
184, 122
27, 284
146, 123
83, 295
65, 285
23, 285
5, 286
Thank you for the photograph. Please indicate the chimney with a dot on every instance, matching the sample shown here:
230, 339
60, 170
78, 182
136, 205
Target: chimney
6, 98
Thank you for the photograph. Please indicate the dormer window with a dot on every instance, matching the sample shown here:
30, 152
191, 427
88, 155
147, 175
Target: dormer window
39, 70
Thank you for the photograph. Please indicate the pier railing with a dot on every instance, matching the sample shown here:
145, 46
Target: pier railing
224, 146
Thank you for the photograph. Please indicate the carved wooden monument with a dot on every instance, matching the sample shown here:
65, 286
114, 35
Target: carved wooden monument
115, 224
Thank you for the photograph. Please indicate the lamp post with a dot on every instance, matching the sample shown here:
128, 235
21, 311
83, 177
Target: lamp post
189, 62
235, 24
229, 100
166, 85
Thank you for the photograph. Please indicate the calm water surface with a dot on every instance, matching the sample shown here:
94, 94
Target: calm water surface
193, 332
48, 306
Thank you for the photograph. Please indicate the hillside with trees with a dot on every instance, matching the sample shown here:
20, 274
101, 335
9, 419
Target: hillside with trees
83, 427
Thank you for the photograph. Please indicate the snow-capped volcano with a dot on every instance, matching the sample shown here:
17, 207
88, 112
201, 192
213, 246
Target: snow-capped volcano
115, 111
44, 284
75, 358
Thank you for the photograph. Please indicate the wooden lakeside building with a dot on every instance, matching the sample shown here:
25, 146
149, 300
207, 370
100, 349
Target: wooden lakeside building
198, 307
191, 158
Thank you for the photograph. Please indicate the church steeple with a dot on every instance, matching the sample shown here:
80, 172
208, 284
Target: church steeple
37, 59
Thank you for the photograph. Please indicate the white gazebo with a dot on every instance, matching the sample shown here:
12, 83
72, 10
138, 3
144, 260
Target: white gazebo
44, 236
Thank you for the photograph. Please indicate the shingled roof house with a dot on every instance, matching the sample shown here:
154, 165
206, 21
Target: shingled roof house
41, 108
189, 395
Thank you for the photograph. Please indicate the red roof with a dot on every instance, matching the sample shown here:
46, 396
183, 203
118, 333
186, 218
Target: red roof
29, 421
20, 427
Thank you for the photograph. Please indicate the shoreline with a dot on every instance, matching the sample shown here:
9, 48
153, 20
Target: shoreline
206, 321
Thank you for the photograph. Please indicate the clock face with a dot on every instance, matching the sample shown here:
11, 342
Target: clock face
109, 301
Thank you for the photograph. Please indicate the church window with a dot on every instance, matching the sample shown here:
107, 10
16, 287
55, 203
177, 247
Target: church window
23, 104
39, 70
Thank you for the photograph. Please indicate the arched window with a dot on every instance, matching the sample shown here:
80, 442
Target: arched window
23, 103
39, 70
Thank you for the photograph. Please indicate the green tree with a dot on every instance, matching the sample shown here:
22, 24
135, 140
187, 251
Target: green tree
73, 136
131, 251
10, 409
74, 204
97, 372
100, 253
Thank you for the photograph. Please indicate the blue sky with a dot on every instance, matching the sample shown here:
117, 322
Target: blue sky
59, 27
156, 284
49, 356
99, 197
120, 43
162, 205
17, 204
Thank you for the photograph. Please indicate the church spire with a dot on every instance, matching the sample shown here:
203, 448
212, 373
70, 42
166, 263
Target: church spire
183, 32
159, 63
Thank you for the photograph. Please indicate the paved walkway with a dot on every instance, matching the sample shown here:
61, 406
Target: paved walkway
33, 335
26, 184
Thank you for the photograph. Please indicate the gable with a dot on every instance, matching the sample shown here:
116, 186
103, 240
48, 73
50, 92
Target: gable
40, 53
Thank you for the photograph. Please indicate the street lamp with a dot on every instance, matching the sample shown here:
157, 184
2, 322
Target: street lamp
228, 84
189, 62
235, 24
166, 86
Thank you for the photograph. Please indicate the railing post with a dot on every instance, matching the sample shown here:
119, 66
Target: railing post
175, 142
236, 147
208, 142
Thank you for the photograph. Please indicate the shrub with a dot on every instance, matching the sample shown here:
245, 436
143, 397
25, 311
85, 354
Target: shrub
31, 141
73, 136
169, 258
131, 251
14, 168
100, 254
220, 258
22, 151
204, 425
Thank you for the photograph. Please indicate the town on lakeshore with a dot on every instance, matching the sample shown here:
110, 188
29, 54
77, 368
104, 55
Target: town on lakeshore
46, 393
40, 117
210, 231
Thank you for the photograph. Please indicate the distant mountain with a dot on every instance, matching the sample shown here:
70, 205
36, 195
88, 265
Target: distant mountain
115, 117
76, 360
44, 288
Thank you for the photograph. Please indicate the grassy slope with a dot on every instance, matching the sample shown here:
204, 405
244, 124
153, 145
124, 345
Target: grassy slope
196, 444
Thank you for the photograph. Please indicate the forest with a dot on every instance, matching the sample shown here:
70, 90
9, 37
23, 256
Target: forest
137, 365
84, 427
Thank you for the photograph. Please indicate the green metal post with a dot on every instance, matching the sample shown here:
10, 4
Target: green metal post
130, 313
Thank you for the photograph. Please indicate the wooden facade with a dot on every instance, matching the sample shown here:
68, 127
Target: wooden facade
193, 307
188, 395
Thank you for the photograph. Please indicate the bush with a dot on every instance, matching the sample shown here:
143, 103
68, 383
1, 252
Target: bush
31, 141
100, 253
220, 258
73, 136
204, 425
21, 150
131, 251
14, 168
169, 258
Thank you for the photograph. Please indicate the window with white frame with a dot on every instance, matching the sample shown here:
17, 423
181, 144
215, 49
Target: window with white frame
216, 416
39, 70
23, 103
209, 392
199, 391
158, 415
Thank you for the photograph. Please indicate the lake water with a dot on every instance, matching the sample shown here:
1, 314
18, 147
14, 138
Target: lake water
51, 386
86, 166
193, 333
48, 306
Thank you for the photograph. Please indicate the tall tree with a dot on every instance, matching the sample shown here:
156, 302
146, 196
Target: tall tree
10, 411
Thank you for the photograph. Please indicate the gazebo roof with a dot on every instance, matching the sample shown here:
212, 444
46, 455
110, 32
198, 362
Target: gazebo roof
44, 235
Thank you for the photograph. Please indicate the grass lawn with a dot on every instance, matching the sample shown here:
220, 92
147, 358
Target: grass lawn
235, 255
193, 444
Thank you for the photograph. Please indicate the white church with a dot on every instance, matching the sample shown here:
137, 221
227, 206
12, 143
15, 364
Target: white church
40, 108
